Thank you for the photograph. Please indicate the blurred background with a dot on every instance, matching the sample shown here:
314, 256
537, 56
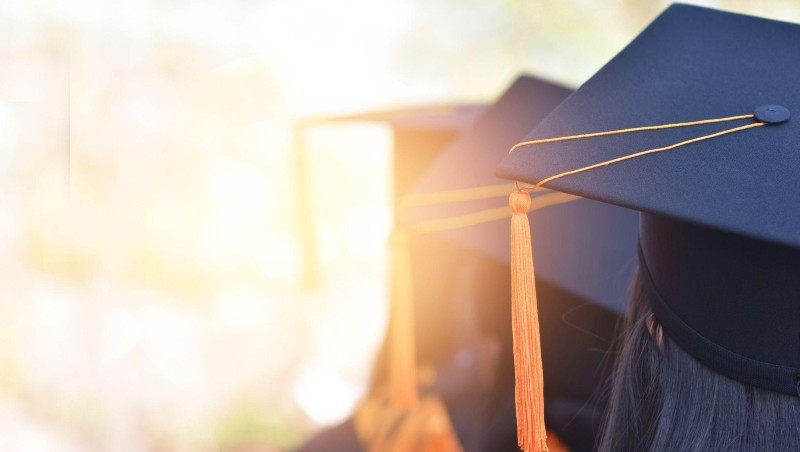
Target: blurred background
156, 293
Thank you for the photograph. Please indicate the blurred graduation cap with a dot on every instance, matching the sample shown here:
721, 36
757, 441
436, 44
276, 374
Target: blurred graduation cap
419, 134
579, 241
569, 252
690, 125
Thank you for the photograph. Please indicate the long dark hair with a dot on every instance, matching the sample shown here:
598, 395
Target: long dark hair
666, 400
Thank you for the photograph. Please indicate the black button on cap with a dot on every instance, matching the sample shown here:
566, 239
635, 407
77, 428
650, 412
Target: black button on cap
772, 114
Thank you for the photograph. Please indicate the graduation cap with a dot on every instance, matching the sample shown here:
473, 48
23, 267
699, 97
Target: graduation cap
568, 252
459, 201
419, 134
690, 125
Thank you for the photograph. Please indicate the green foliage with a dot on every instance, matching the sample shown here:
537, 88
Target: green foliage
254, 428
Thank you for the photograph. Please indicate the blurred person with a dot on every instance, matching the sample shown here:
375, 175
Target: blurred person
691, 126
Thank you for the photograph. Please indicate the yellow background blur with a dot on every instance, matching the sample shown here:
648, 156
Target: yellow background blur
152, 296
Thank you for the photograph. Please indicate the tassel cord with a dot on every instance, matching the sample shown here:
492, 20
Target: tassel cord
529, 385
402, 344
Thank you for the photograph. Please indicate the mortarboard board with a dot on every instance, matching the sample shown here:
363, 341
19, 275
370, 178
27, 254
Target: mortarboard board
419, 134
719, 240
578, 239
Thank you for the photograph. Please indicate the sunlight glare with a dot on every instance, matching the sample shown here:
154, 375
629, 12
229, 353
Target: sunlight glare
323, 397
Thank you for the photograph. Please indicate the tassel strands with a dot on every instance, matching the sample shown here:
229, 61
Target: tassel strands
402, 347
529, 388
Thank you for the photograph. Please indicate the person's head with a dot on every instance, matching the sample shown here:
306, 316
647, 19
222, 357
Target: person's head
663, 399
691, 132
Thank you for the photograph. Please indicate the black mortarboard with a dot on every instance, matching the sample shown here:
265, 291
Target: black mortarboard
719, 240
576, 242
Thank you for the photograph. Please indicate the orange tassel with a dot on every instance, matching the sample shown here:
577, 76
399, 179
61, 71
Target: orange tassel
529, 387
402, 347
